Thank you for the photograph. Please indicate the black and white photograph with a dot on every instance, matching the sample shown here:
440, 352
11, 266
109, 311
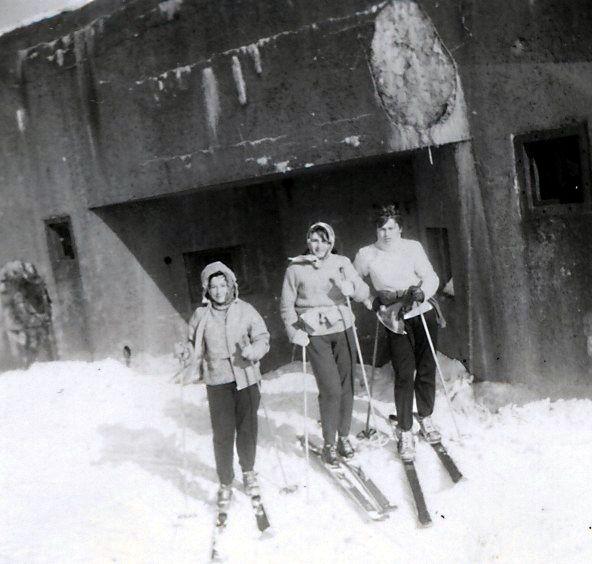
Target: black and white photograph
295, 281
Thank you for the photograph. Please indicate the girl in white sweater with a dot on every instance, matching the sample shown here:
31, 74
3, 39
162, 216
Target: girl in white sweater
404, 284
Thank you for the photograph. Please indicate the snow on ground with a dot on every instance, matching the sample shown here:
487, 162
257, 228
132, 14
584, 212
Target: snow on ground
95, 467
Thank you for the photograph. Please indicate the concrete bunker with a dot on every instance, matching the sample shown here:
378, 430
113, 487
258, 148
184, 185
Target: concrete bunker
254, 228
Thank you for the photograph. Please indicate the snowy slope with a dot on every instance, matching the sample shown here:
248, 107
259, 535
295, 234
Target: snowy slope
92, 470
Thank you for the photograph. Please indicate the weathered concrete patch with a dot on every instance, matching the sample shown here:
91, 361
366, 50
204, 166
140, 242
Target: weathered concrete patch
414, 75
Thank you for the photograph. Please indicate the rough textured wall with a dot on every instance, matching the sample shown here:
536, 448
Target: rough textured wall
123, 101
222, 100
531, 71
438, 199
212, 92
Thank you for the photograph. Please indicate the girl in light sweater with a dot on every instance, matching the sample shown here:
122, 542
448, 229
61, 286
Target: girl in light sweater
316, 316
404, 284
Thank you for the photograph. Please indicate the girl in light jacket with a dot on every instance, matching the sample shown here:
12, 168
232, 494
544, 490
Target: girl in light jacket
225, 341
316, 316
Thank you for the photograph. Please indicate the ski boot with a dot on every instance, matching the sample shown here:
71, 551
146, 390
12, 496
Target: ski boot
329, 455
406, 445
224, 495
251, 484
345, 448
428, 430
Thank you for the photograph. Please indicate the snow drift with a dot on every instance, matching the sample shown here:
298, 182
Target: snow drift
102, 463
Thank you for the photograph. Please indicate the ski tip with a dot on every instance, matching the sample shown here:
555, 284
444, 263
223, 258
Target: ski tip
289, 489
425, 523
267, 533
263, 524
378, 516
187, 516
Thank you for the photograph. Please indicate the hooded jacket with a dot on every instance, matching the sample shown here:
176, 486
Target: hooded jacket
243, 326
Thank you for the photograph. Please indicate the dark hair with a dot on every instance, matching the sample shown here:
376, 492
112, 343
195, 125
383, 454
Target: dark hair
219, 273
321, 231
383, 213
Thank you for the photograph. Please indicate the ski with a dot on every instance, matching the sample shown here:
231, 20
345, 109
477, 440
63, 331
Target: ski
219, 528
260, 514
449, 464
351, 482
423, 515
369, 485
452, 469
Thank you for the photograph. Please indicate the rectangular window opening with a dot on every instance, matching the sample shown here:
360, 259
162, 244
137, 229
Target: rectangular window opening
554, 167
59, 236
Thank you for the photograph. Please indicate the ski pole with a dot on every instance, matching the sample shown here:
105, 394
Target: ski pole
184, 452
305, 401
359, 350
286, 488
369, 432
429, 337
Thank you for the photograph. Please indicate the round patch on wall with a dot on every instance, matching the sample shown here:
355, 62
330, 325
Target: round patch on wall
414, 75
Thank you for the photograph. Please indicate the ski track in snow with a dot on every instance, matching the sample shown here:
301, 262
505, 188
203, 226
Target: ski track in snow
92, 470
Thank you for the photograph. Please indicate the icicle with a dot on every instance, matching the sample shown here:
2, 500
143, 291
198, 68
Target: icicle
239, 81
212, 101
256, 55
21, 119
20, 64
430, 155
169, 8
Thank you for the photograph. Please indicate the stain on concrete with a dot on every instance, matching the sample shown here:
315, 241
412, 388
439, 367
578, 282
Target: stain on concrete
414, 75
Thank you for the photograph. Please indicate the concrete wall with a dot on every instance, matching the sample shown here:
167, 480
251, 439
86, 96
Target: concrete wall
139, 288
530, 72
125, 101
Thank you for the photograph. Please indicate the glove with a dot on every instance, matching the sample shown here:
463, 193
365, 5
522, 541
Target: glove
408, 300
406, 307
347, 288
388, 298
415, 294
300, 338
182, 351
376, 304
249, 353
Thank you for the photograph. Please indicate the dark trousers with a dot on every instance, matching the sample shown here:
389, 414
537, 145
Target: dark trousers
332, 360
411, 355
233, 412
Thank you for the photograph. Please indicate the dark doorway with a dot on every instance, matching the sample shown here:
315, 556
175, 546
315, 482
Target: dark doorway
71, 310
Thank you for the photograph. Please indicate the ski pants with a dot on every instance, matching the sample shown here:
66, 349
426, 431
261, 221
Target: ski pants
332, 360
233, 413
411, 356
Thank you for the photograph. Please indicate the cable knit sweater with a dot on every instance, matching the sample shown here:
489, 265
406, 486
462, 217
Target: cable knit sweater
312, 301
